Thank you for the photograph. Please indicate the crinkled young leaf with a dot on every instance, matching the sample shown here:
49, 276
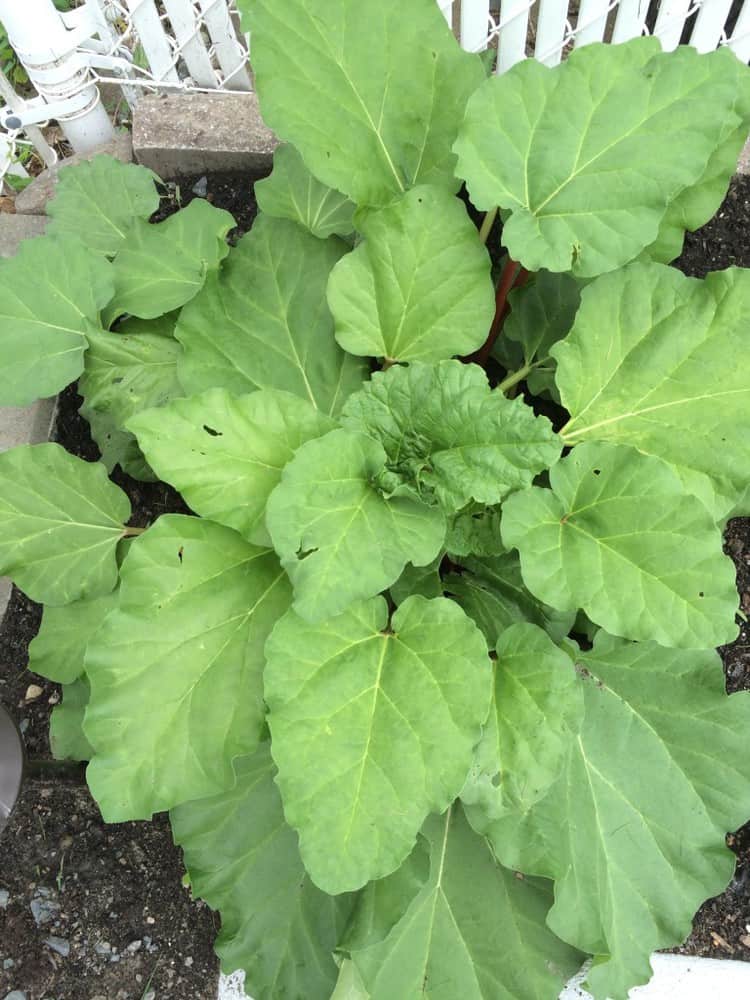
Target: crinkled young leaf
58, 650
445, 430
390, 90
51, 292
160, 267
291, 192
475, 931
491, 591
660, 361
588, 156
66, 736
541, 313
100, 200
176, 670
124, 374
537, 710
634, 830
419, 286
263, 322
618, 536
243, 859
475, 531
60, 522
337, 536
225, 453
373, 727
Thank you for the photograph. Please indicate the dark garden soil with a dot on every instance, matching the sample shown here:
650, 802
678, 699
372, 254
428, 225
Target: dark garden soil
90, 911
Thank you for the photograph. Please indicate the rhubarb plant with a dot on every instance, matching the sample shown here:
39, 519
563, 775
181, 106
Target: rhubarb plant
427, 676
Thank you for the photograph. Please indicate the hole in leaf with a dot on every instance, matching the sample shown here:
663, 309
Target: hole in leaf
701, 594
117, 381
180, 552
597, 472
496, 779
212, 432
304, 553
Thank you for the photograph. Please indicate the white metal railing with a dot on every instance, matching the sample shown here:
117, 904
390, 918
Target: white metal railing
197, 45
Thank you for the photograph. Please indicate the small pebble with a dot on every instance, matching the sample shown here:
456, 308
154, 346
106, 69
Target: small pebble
188, 961
134, 946
33, 691
16, 995
43, 908
4, 898
201, 188
103, 948
8, 964
151, 995
150, 920
60, 945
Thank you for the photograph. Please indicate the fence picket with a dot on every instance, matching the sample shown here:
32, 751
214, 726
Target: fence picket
181, 15
740, 40
670, 21
592, 20
475, 21
147, 23
709, 25
512, 30
551, 31
630, 21
230, 54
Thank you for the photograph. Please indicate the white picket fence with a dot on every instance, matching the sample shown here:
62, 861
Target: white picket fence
197, 45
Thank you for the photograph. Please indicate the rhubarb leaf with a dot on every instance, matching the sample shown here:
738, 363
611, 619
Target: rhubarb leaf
418, 287
389, 90
633, 859
60, 522
176, 670
291, 192
338, 537
446, 433
243, 860
588, 156
51, 293
225, 453
263, 322
618, 536
373, 726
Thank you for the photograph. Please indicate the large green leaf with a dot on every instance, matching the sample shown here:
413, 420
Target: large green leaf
634, 829
225, 453
243, 859
492, 592
588, 156
66, 736
660, 361
419, 286
176, 670
537, 710
373, 725
542, 313
618, 536
475, 931
445, 431
60, 522
263, 322
58, 650
160, 267
389, 90
100, 200
124, 374
50, 296
291, 192
338, 537
697, 205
